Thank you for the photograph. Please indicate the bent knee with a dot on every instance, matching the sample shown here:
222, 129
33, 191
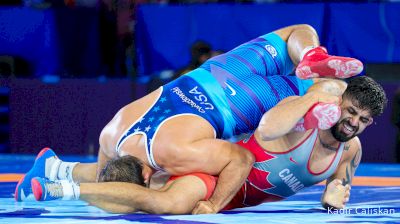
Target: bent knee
306, 27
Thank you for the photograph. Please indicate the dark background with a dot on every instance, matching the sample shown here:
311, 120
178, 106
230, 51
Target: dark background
67, 68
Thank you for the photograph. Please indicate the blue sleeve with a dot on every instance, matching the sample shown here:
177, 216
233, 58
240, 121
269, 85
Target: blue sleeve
304, 85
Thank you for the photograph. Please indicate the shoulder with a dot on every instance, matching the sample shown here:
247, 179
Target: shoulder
353, 149
354, 144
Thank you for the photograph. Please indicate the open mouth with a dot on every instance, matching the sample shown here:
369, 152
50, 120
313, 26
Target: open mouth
348, 129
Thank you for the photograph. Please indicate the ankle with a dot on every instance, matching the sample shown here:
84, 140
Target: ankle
70, 190
65, 171
52, 167
305, 51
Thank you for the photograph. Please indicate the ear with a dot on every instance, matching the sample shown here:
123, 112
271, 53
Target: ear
146, 177
371, 120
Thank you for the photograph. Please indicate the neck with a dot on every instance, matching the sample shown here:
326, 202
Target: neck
327, 145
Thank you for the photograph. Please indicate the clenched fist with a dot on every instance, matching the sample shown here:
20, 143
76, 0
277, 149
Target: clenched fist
336, 195
204, 207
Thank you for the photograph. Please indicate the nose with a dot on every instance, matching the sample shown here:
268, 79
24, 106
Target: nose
354, 121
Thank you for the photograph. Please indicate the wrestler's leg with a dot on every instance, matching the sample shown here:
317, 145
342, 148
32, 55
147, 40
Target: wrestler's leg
84, 172
46, 165
183, 145
311, 59
298, 37
51, 167
177, 197
110, 134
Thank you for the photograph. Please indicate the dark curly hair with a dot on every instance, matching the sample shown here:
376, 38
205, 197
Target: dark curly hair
366, 94
123, 169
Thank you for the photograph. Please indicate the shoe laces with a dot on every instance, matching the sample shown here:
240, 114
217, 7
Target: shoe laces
54, 189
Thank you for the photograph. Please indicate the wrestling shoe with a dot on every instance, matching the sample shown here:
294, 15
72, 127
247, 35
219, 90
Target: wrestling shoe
23, 188
46, 190
317, 63
322, 116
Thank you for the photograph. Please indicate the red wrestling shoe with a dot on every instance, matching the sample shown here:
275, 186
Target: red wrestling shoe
322, 116
317, 63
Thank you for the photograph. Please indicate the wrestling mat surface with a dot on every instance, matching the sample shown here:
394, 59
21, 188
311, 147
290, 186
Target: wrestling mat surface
375, 198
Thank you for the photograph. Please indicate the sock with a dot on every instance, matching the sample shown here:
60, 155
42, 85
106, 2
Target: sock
65, 171
305, 50
51, 167
57, 169
71, 191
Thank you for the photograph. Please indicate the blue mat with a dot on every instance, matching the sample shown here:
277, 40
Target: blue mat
367, 204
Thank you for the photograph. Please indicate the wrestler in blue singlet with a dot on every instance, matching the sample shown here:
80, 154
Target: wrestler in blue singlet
231, 91
254, 78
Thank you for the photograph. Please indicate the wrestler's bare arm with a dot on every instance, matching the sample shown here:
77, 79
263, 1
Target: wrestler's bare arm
178, 197
337, 190
332, 86
281, 119
230, 162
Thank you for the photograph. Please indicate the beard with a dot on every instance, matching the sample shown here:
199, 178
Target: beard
340, 135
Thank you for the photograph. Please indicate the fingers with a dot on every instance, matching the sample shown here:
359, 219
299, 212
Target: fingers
328, 98
334, 99
203, 207
347, 193
195, 209
337, 182
337, 194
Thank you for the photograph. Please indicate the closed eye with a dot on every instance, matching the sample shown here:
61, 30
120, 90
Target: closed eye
352, 111
364, 120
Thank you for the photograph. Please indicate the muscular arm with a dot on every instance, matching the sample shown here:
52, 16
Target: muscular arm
179, 197
345, 171
331, 86
281, 119
232, 177
230, 162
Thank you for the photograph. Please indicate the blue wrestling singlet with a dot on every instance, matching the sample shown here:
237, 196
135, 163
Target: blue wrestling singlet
181, 97
231, 91
254, 78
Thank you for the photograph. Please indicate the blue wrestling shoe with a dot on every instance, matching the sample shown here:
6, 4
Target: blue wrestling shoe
23, 188
46, 190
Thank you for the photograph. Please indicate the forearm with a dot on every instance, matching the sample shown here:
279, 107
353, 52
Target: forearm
231, 179
330, 86
282, 118
119, 197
